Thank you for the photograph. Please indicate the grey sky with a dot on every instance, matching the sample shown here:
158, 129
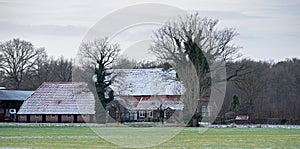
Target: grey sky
268, 29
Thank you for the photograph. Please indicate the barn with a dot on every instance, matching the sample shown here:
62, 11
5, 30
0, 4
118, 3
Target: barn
145, 95
58, 102
10, 103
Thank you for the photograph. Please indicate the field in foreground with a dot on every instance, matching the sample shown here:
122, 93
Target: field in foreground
84, 137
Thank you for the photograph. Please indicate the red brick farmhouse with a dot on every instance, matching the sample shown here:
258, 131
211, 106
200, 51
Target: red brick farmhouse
146, 95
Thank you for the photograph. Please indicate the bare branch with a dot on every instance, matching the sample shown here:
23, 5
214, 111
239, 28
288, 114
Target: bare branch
99, 51
17, 57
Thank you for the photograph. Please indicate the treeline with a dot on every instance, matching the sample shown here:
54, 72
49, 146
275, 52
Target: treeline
25, 67
264, 89
125, 63
267, 92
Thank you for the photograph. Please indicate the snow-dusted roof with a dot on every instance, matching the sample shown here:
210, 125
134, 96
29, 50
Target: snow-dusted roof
14, 95
155, 104
135, 82
151, 104
60, 98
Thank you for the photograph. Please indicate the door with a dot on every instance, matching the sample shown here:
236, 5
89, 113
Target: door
59, 118
43, 118
28, 118
75, 118
135, 116
91, 118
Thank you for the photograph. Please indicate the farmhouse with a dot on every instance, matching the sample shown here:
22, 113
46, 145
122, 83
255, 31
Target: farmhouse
10, 102
59, 102
145, 95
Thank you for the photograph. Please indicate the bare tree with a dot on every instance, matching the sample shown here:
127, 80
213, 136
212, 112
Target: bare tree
125, 63
49, 70
195, 40
62, 69
252, 84
99, 55
17, 57
99, 52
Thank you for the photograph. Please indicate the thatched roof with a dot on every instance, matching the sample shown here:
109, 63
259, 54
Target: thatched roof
60, 98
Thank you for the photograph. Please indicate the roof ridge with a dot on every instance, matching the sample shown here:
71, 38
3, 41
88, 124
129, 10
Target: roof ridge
62, 82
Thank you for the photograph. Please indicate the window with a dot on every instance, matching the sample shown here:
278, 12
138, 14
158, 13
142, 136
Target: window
203, 110
53, 116
150, 114
12, 111
22, 116
209, 111
37, 116
84, 115
68, 116
141, 113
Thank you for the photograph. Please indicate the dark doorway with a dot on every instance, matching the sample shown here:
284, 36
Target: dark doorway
91, 118
43, 118
27, 118
75, 118
59, 118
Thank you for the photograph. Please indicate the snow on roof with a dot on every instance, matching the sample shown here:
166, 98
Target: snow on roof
242, 117
151, 104
16, 95
60, 98
155, 104
136, 82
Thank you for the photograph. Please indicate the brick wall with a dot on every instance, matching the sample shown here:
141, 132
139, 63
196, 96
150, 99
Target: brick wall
54, 118
36, 118
21, 118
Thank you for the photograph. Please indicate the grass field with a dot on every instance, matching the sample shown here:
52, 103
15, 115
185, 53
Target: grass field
84, 137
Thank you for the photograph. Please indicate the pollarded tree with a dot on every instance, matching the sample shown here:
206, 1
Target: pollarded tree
17, 57
100, 55
196, 40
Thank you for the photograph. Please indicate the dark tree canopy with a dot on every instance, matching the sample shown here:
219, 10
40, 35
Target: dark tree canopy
49, 70
235, 103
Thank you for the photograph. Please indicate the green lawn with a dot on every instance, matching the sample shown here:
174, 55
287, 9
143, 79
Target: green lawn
84, 137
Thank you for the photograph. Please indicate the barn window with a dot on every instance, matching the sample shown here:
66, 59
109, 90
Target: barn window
37, 116
22, 116
53, 116
141, 113
203, 110
150, 113
209, 110
68, 116
12, 111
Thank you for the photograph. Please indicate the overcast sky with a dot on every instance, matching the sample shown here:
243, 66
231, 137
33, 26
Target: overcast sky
269, 29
